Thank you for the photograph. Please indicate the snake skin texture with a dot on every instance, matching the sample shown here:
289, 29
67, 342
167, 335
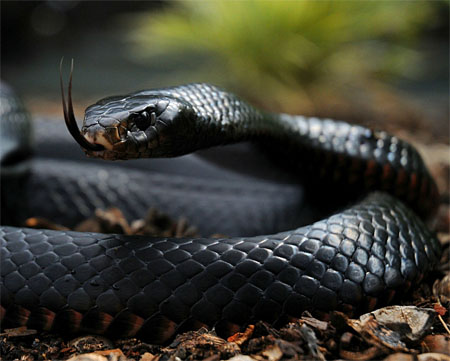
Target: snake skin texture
70, 281
234, 208
212, 198
153, 288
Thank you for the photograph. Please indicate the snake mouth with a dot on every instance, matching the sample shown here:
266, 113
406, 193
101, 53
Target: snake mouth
69, 116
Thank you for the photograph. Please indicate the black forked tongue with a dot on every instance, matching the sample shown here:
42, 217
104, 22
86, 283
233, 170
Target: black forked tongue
69, 117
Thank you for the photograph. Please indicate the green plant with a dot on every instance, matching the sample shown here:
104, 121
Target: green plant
282, 49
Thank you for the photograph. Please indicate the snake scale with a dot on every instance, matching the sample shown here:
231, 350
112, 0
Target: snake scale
152, 288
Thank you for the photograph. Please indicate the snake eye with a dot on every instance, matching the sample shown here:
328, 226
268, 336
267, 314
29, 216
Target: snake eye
143, 119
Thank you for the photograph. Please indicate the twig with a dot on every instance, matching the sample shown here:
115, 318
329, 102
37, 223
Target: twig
443, 323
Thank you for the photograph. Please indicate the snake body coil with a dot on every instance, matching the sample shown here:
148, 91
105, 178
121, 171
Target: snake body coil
153, 288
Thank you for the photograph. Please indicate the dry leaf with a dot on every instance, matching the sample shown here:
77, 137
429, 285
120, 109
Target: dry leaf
240, 337
272, 353
437, 344
18, 332
410, 322
433, 357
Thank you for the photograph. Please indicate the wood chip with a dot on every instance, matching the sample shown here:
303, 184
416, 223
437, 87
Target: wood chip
241, 337
315, 323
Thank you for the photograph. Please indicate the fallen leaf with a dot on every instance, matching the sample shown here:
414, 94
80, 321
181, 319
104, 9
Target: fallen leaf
441, 288
315, 323
375, 333
18, 332
90, 343
147, 356
103, 355
240, 337
115, 351
200, 344
368, 354
440, 309
400, 357
433, 357
241, 358
272, 353
410, 322
437, 344
310, 337
88, 357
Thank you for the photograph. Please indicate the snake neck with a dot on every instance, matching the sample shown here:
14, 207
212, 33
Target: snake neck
338, 155
330, 154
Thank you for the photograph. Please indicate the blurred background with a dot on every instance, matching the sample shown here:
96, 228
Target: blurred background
385, 63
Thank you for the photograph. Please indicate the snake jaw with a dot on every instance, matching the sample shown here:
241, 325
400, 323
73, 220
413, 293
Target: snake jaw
99, 138
106, 131
127, 133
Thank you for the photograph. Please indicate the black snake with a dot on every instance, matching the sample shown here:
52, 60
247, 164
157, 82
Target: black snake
152, 288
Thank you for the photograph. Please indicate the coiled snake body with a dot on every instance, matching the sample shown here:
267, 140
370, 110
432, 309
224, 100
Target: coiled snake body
153, 288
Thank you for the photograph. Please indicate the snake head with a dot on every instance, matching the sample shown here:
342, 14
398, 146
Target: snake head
139, 125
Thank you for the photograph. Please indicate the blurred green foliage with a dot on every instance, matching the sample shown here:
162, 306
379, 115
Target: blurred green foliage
283, 50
